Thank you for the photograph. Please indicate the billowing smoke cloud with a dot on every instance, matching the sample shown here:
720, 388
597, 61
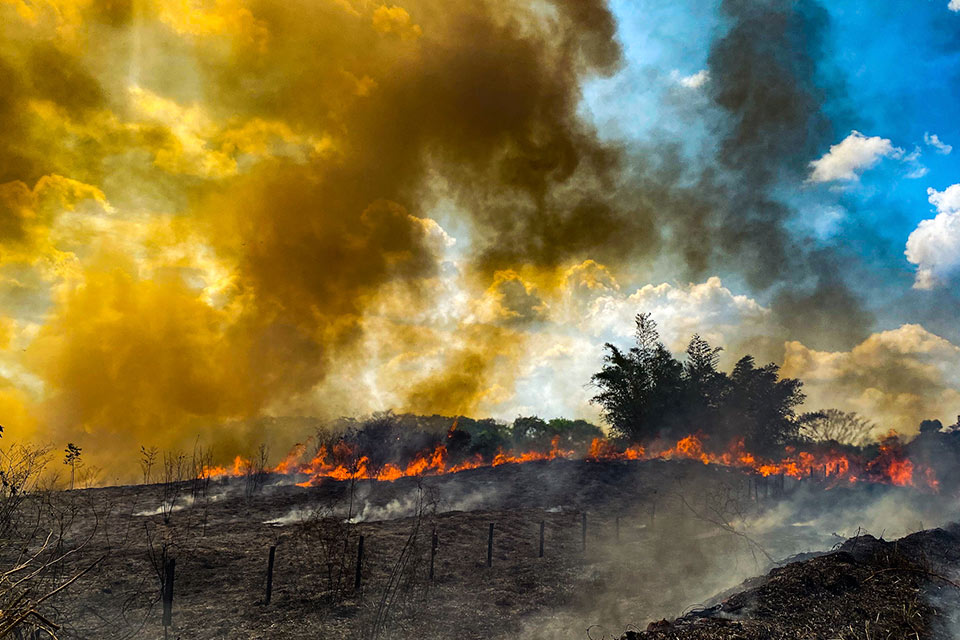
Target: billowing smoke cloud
896, 378
264, 173
236, 210
766, 75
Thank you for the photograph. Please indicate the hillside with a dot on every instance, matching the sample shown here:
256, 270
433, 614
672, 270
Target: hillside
661, 537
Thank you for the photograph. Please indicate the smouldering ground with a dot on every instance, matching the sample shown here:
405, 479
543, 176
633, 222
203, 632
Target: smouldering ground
686, 533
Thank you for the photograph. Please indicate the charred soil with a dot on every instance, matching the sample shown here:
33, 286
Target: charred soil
660, 538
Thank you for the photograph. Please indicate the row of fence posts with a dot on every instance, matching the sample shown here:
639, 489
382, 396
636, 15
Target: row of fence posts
777, 482
169, 568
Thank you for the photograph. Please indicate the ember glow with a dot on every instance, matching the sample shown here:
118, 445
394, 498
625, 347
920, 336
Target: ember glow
343, 462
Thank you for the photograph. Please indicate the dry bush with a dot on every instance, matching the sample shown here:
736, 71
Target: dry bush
174, 468
256, 472
21, 468
26, 586
39, 566
323, 533
407, 584
148, 458
200, 465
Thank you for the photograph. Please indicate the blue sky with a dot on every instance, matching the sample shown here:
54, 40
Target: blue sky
889, 70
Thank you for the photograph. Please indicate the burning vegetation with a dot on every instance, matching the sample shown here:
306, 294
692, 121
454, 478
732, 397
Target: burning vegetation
695, 460
887, 462
658, 408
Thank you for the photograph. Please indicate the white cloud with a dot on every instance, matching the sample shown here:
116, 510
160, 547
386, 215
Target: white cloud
934, 246
708, 308
917, 170
895, 378
696, 80
954, 5
932, 139
596, 311
851, 157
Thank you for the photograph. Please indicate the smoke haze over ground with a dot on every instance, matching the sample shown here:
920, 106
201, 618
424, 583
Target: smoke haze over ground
686, 533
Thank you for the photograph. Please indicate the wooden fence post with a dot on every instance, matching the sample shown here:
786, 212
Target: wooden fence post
433, 551
356, 581
273, 553
584, 530
542, 526
169, 571
490, 547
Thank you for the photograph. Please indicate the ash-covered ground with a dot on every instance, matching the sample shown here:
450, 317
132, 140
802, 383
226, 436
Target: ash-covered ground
663, 539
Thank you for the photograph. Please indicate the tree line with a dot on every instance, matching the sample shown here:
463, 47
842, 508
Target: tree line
398, 438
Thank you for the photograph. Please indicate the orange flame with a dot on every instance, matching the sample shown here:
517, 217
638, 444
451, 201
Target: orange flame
343, 462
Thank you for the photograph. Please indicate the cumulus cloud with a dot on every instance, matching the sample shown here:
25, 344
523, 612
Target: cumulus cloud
933, 140
896, 378
592, 309
954, 5
847, 160
693, 81
708, 308
934, 246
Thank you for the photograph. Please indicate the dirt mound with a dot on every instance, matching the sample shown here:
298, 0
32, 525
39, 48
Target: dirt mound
866, 588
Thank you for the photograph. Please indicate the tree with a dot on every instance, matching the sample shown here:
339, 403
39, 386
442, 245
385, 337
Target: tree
534, 432
640, 390
530, 430
760, 406
574, 432
72, 459
930, 426
834, 425
148, 458
706, 386
488, 437
646, 393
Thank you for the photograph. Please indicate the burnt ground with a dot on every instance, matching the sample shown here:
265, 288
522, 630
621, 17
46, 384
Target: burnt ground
686, 533
868, 588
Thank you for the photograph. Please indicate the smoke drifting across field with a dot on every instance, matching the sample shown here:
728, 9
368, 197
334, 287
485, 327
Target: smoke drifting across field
687, 532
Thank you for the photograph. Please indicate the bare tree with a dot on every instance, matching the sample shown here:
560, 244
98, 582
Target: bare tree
256, 472
173, 470
148, 458
845, 427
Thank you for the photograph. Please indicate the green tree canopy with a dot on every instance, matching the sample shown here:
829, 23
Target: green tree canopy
646, 393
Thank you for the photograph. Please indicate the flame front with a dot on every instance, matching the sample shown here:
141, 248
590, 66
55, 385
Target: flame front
343, 462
